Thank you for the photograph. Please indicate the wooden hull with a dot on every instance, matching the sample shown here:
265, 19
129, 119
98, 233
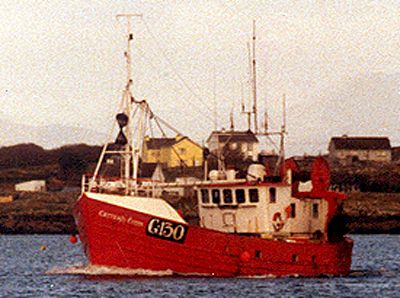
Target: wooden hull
117, 236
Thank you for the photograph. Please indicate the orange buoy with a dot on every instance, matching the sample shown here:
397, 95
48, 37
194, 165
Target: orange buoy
245, 256
73, 239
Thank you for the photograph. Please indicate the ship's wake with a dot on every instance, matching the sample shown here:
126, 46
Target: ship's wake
116, 272
382, 272
107, 271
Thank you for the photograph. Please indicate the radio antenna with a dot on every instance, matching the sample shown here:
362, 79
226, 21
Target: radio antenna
254, 79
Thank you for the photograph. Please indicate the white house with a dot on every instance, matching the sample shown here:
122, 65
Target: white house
33, 185
246, 141
352, 149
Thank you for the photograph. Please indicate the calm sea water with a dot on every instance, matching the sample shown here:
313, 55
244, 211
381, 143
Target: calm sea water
26, 270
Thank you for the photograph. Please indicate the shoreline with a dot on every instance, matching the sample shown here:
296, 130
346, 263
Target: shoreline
51, 213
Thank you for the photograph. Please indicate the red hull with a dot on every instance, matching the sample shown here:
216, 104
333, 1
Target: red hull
116, 236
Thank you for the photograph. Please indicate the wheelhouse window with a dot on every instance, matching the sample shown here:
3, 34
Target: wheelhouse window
205, 198
240, 196
315, 210
216, 199
253, 194
272, 195
228, 199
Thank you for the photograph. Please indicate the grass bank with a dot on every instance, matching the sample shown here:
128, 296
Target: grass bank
51, 212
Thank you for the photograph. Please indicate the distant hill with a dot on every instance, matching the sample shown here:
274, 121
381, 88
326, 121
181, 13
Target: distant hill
51, 136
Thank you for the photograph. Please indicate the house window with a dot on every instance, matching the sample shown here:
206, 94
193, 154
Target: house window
227, 196
215, 196
272, 195
205, 199
233, 146
182, 150
293, 210
253, 193
315, 210
240, 198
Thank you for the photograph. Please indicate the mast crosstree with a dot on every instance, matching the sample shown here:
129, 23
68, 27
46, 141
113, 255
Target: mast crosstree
130, 151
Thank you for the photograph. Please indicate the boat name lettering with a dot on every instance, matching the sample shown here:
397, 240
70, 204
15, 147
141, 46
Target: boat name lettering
120, 218
167, 230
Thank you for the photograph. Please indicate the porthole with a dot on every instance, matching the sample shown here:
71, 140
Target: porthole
258, 254
295, 258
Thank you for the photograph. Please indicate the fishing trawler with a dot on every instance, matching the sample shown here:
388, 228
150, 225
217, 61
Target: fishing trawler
261, 225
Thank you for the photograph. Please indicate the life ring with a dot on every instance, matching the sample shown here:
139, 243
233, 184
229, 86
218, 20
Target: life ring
277, 222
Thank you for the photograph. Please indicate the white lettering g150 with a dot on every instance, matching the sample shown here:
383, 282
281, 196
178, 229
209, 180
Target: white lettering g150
166, 230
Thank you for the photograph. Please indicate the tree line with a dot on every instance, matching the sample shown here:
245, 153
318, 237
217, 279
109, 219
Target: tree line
70, 161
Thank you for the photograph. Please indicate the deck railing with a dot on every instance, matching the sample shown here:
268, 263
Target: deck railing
115, 185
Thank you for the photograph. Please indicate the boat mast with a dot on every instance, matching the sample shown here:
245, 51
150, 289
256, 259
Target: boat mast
129, 153
282, 134
215, 99
266, 133
248, 112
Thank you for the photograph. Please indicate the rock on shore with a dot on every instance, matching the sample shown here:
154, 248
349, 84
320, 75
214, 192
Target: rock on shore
38, 213
373, 212
51, 213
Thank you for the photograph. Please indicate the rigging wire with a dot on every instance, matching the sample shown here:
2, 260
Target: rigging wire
168, 125
108, 139
174, 69
156, 91
273, 142
173, 149
158, 120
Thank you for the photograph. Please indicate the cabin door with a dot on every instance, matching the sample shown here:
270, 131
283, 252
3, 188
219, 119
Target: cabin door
229, 221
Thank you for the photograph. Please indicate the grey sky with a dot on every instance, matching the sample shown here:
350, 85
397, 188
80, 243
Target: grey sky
62, 63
